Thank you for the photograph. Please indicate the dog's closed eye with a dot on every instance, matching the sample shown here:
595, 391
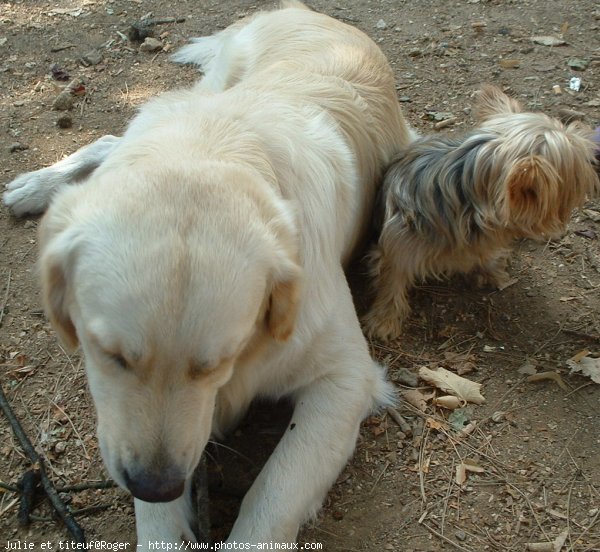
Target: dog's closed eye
119, 360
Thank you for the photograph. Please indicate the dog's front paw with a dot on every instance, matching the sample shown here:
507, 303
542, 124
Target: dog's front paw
30, 193
385, 328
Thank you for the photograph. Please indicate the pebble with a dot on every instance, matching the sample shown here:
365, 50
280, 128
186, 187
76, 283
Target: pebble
17, 146
406, 377
460, 535
64, 101
578, 64
93, 57
64, 121
151, 45
381, 24
138, 32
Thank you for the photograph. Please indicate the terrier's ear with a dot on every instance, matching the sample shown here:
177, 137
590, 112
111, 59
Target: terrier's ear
532, 187
492, 101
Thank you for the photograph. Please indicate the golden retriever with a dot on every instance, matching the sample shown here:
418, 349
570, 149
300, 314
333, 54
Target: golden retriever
200, 264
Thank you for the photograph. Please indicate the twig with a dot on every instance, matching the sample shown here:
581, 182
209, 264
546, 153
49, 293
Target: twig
421, 471
5, 296
85, 486
28, 484
387, 465
90, 509
444, 538
163, 20
402, 423
8, 487
72, 526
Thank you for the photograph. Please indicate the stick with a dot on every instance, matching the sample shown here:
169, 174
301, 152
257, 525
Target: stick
28, 484
85, 486
405, 427
5, 297
72, 526
444, 538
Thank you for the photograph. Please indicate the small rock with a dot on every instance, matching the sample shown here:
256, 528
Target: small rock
151, 45
19, 103
64, 101
460, 535
60, 447
17, 146
29, 224
138, 32
381, 24
578, 64
93, 57
64, 121
406, 377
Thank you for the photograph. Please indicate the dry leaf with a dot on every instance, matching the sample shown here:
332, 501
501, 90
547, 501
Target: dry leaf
548, 40
462, 363
451, 383
449, 401
585, 365
591, 214
472, 466
435, 424
416, 398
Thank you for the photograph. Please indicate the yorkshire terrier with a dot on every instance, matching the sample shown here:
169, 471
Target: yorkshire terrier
456, 204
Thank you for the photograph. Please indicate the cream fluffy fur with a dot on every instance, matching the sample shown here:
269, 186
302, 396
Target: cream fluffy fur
200, 264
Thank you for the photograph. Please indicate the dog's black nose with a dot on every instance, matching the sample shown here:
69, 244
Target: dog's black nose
159, 486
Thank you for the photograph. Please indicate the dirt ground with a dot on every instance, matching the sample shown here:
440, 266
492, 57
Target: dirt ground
531, 450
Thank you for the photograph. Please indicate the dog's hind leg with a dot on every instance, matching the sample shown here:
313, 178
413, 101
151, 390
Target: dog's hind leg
169, 523
322, 434
31, 193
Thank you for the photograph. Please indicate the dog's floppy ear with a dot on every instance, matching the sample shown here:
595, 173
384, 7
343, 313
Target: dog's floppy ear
532, 186
490, 101
284, 300
57, 252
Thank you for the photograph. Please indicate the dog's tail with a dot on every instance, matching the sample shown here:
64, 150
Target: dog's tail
384, 392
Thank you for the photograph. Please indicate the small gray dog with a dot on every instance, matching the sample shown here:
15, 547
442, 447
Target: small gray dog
455, 204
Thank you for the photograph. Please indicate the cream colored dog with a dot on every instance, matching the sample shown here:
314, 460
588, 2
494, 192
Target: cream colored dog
200, 265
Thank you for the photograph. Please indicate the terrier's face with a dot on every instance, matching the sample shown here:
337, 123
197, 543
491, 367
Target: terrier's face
546, 167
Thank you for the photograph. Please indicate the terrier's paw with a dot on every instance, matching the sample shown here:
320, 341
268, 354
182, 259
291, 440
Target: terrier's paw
30, 193
485, 278
385, 328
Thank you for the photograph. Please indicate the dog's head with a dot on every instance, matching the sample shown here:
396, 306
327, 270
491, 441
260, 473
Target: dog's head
165, 283
544, 169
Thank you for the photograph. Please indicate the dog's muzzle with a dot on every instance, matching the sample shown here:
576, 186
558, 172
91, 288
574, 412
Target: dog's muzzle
155, 486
